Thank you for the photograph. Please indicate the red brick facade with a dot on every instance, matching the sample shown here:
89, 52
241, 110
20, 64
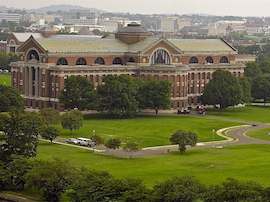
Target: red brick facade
40, 76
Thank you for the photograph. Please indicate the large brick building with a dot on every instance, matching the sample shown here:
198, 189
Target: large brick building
45, 63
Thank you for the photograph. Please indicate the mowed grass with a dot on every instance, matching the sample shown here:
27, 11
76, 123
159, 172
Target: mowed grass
148, 130
262, 133
210, 166
249, 113
5, 79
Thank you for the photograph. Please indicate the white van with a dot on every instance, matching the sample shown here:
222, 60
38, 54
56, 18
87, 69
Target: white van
84, 141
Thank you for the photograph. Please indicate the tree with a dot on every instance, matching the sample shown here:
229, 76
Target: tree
223, 90
97, 139
155, 94
51, 178
252, 70
102, 186
20, 134
50, 133
246, 87
117, 97
72, 120
51, 115
260, 88
131, 147
185, 188
10, 98
265, 66
113, 143
77, 93
183, 138
12, 174
234, 190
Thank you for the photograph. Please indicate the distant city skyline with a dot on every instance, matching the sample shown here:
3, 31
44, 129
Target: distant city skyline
244, 8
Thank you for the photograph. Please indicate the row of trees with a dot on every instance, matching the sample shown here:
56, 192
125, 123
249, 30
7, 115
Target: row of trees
120, 96
52, 178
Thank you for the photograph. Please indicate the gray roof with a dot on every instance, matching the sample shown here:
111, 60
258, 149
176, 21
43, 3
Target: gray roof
82, 44
22, 37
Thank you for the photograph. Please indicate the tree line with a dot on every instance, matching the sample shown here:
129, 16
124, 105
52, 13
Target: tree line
53, 178
119, 96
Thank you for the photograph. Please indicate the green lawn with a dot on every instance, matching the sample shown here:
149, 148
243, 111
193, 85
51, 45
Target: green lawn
249, 113
211, 166
148, 130
260, 133
5, 78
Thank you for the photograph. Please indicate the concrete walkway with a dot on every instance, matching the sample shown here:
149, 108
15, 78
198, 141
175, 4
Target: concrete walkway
234, 135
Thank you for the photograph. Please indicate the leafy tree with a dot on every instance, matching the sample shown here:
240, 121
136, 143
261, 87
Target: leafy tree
12, 174
102, 186
252, 70
97, 139
50, 133
183, 138
246, 87
260, 88
113, 143
234, 190
117, 97
51, 178
131, 147
72, 120
21, 134
77, 93
10, 98
51, 115
185, 188
223, 90
155, 94
265, 66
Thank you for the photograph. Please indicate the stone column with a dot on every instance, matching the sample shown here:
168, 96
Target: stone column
36, 81
26, 80
30, 80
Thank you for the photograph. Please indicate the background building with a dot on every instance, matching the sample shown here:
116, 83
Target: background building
45, 63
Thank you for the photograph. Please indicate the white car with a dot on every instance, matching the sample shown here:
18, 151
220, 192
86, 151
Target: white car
84, 141
72, 141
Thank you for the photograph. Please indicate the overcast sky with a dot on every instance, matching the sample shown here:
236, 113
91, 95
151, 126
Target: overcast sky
215, 7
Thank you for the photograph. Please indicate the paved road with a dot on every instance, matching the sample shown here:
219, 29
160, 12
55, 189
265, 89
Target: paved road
237, 133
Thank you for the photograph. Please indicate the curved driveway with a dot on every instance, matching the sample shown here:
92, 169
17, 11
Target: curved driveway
238, 133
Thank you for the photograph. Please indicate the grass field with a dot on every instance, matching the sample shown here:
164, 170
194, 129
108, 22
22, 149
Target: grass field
148, 130
5, 79
260, 133
249, 113
210, 166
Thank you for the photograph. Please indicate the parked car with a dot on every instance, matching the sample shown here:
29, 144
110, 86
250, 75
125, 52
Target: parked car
72, 141
84, 141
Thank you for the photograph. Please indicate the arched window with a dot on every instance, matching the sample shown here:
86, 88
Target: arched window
131, 60
81, 61
33, 55
160, 57
193, 60
62, 61
117, 61
224, 60
209, 60
100, 61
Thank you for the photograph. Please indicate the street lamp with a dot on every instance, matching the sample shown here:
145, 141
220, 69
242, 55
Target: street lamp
213, 138
94, 132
